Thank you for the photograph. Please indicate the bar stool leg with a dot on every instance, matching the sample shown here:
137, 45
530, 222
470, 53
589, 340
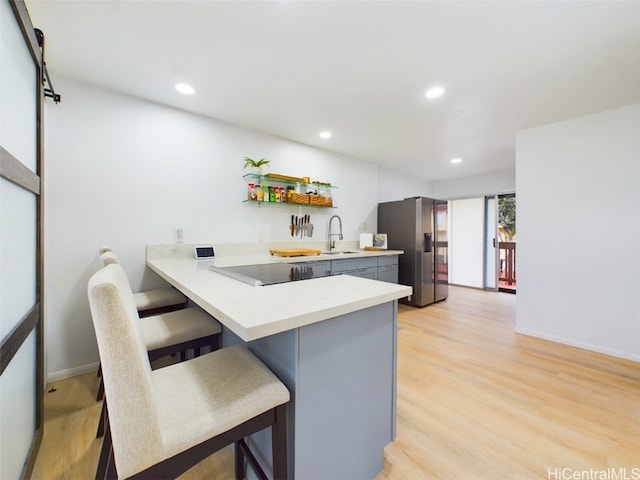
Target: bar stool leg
279, 444
105, 453
100, 395
104, 418
240, 470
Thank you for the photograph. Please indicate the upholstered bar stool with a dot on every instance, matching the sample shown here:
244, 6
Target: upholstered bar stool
172, 333
151, 302
162, 422
169, 333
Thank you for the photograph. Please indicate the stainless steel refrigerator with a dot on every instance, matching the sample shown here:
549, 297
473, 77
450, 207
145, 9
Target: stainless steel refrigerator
418, 225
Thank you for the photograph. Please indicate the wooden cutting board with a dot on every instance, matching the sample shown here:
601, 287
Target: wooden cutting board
295, 252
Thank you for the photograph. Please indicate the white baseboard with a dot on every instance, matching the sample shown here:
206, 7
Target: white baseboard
585, 346
72, 372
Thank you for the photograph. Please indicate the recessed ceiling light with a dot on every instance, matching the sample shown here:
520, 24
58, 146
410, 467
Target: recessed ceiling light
185, 88
434, 92
456, 160
325, 134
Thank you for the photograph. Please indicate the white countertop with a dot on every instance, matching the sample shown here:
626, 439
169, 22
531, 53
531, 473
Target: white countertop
254, 312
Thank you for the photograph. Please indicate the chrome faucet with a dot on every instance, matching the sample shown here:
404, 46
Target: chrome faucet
332, 244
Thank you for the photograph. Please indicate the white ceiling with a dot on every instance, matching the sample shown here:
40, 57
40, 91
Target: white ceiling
360, 68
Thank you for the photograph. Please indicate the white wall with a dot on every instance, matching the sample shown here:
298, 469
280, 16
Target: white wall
466, 242
577, 181
476, 186
125, 172
393, 185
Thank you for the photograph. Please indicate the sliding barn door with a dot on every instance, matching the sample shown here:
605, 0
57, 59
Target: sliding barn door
21, 328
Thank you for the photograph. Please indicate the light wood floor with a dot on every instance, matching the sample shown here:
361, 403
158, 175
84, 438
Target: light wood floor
475, 401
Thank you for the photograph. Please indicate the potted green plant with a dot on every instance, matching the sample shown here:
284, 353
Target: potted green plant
256, 165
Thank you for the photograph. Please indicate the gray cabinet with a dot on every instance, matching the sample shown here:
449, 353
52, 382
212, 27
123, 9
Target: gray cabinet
383, 268
388, 269
326, 403
357, 267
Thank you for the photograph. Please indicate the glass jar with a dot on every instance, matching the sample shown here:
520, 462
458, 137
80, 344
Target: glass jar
328, 198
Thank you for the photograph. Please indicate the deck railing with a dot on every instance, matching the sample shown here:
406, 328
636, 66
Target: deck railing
507, 262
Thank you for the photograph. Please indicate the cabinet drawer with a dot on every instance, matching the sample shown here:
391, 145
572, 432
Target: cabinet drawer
338, 266
387, 260
388, 273
371, 273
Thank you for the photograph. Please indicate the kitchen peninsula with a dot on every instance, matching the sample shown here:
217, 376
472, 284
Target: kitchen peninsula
331, 340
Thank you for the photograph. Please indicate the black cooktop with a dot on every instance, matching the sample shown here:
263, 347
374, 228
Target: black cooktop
272, 273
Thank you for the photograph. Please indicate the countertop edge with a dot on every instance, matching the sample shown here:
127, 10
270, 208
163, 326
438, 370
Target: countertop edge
222, 303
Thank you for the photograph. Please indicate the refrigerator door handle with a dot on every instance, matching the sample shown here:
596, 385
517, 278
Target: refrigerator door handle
428, 244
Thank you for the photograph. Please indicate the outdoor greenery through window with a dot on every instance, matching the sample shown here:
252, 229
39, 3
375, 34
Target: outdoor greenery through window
507, 218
